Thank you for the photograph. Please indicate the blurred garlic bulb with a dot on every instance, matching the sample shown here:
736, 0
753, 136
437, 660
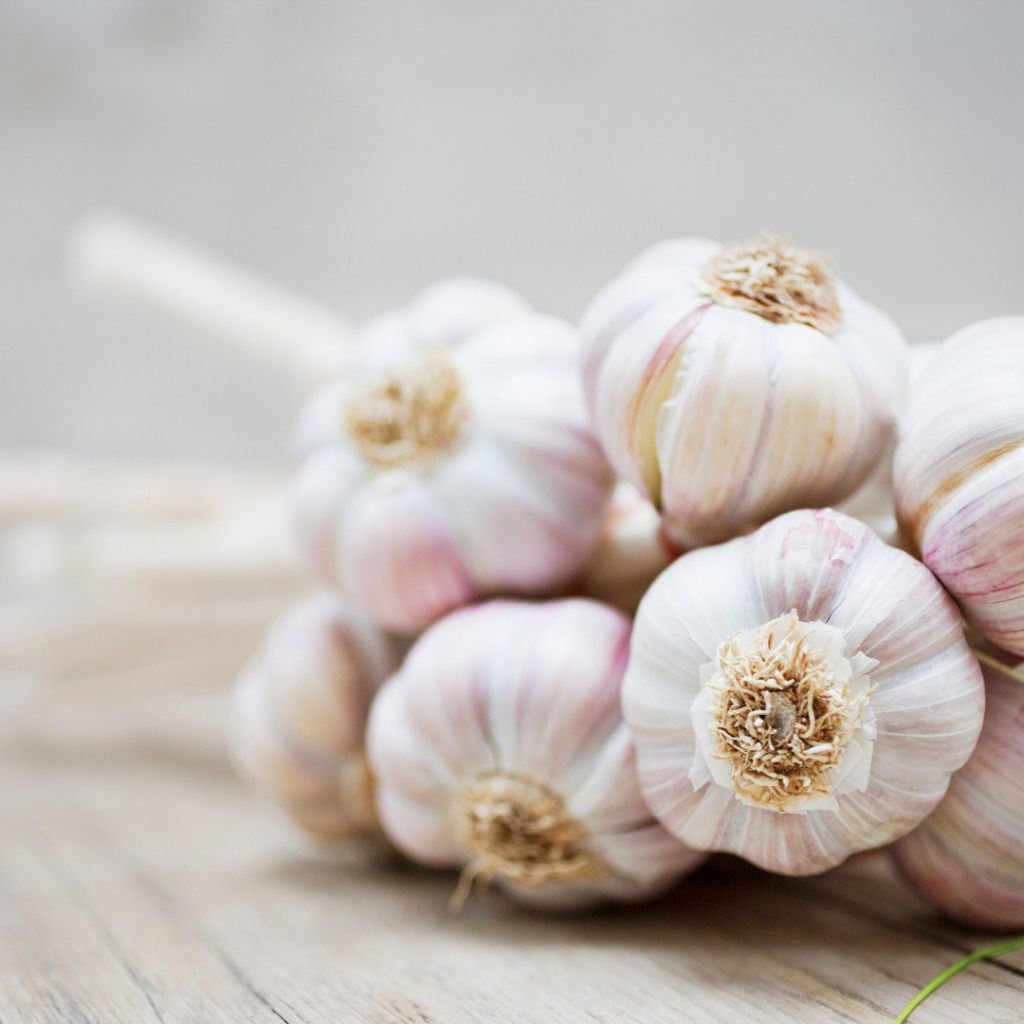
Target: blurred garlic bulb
959, 474
300, 711
799, 694
630, 552
454, 460
733, 383
967, 857
500, 748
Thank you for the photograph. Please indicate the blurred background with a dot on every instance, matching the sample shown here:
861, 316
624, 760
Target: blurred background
355, 151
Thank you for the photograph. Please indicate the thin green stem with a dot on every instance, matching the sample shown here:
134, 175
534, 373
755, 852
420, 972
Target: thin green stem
981, 954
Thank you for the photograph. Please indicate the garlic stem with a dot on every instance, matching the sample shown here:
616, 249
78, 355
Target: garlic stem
981, 954
115, 257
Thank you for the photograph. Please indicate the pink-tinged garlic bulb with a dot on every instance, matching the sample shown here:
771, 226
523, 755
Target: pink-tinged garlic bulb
631, 551
959, 474
500, 748
799, 694
454, 459
300, 710
967, 857
734, 383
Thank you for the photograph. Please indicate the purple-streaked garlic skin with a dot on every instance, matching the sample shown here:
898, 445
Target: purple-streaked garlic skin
300, 709
632, 549
513, 505
529, 691
926, 702
724, 418
959, 474
967, 856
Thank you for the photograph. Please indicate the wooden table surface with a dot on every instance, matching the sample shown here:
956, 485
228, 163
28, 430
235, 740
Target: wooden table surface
139, 881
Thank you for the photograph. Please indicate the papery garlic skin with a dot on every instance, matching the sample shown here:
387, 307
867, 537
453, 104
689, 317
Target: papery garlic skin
507, 697
967, 856
632, 549
510, 502
959, 474
299, 717
887, 643
724, 418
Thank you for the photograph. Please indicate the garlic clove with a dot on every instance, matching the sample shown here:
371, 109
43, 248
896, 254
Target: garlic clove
967, 857
655, 274
634, 380
300, 712
499, 747
453, 310
631, 550
959, 474
892, 748
400, 559
325, 482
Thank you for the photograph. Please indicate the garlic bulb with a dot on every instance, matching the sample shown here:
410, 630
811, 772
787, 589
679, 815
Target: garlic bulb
799, 694
734, 383
500, 748
959, 474
967, 857
300, 713
454, 460
630, 552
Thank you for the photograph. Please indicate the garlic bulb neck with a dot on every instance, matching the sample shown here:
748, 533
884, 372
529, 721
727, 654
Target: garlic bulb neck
523, 832
771, 277
780, 713
410, 414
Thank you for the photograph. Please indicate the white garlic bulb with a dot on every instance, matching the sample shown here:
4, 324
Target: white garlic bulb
799, 694
454, 460
967, 857
959, 474
631, 550
734, 383
500, 748
300, 711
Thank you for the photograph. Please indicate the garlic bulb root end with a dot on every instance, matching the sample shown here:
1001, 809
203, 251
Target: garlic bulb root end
773, 278
779, 716
522, 831
411, 413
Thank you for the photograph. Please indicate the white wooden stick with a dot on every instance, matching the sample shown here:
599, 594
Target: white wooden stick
116, 257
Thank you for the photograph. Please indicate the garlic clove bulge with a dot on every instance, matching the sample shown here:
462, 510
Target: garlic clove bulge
300, 710
730, 384
499, 748
967, 857
460, 471
798, 694
959, 474
631, 550
397, 556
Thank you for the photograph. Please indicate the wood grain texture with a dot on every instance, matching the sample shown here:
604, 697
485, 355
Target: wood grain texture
140, 882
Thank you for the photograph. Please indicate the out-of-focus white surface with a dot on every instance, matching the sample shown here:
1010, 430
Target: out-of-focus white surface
355, 151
